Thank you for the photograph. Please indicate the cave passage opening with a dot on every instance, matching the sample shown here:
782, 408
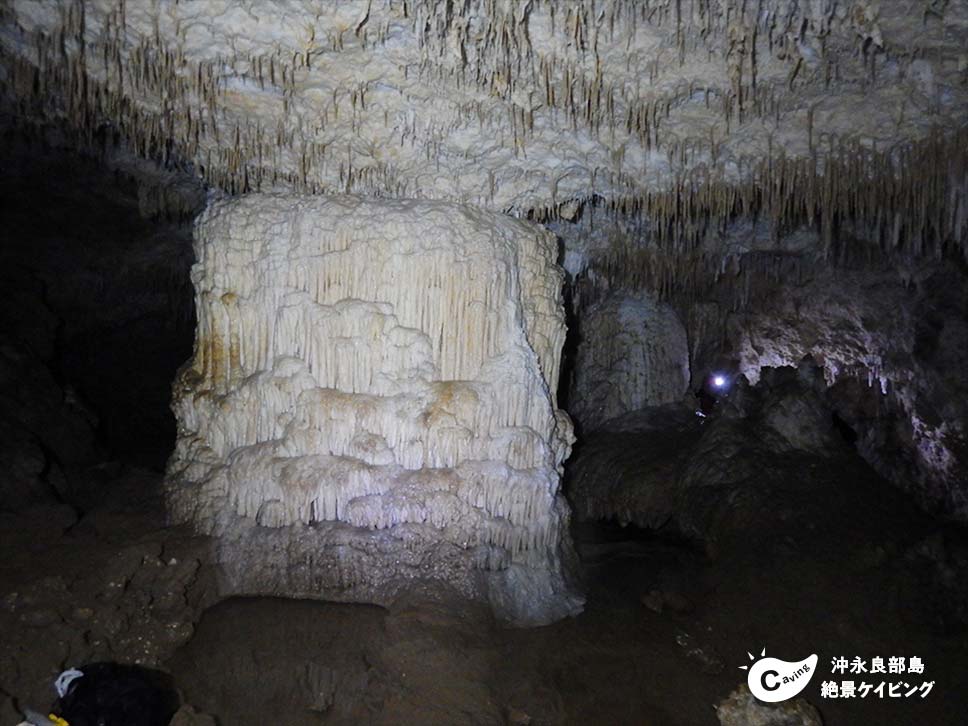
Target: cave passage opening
96, 274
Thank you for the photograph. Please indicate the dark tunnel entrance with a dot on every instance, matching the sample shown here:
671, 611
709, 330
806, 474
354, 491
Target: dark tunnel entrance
97, 288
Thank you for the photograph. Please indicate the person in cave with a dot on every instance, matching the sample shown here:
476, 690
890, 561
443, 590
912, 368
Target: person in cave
109, 694
708, 393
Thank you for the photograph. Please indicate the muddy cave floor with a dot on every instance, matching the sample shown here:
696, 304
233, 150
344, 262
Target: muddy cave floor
854, 570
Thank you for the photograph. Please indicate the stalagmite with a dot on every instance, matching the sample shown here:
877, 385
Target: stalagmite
633, 353
371, 402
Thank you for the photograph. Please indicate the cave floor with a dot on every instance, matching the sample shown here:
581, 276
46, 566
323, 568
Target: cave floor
665, 628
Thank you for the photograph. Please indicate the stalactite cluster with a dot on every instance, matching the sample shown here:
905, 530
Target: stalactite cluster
695, 110
913, 204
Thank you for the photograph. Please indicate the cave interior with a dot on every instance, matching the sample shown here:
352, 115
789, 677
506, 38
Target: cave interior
519, 362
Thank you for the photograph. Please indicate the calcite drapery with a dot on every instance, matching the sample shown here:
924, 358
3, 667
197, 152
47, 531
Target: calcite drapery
371, 402
633, 354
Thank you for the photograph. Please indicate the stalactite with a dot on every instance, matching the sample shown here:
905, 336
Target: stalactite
499, 58
174, 105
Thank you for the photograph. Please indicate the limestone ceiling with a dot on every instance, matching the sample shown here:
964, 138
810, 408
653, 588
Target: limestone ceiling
522, 106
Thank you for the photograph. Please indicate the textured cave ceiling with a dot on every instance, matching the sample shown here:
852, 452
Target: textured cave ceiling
681, 110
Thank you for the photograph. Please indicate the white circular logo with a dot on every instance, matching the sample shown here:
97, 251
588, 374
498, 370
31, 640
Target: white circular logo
773, 680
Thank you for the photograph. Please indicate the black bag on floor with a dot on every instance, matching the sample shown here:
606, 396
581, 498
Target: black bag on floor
110, 694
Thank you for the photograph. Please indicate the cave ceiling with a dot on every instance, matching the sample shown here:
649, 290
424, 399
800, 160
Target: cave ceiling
673, 108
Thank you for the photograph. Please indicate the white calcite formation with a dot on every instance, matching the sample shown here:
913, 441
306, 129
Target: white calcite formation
371, 402
633, 353
674, 110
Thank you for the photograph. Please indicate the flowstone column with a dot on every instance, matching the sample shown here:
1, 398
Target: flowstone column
371, 402
633, 354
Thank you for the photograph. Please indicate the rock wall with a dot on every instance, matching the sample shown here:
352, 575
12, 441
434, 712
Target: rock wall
633, 353
889, 346
371, 402
45, 437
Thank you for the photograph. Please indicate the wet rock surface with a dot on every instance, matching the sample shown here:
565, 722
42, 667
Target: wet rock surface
763, 457
117, 585
808, 549
189, 716
420, 663
742, 709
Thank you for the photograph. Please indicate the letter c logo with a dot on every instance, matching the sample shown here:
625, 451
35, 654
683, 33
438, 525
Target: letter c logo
763, 680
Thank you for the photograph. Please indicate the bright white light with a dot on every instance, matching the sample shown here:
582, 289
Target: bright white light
719, 381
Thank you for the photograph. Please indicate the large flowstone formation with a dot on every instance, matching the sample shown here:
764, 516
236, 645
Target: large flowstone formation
371, 403
633, 353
